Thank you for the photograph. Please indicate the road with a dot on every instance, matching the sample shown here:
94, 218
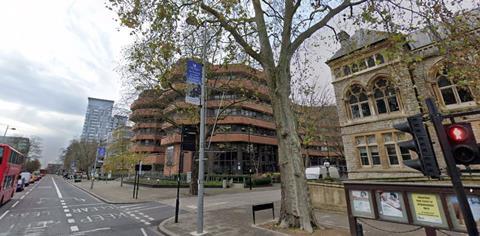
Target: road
53, 206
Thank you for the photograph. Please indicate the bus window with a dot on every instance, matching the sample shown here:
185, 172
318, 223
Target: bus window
1, 155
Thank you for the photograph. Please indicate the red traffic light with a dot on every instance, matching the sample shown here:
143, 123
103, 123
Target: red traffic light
457, 133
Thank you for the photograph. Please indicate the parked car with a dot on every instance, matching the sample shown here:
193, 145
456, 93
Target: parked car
20, 184
26, 176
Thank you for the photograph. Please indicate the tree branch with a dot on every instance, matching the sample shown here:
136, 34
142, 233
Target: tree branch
223, 22
310, 31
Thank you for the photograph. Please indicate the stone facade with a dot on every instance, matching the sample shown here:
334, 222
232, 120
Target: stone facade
375, 90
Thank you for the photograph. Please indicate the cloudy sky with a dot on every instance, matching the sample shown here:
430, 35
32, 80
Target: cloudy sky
53, 55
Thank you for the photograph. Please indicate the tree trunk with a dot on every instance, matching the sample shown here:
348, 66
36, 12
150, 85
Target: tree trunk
121, 179
296, 208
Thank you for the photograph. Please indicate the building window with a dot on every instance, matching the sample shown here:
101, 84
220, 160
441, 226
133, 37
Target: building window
358, 102
385, 96
346, 70
394, 152
379, 59
451, 92
368, 150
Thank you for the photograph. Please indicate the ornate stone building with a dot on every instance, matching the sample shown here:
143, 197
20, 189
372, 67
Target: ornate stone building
375, 90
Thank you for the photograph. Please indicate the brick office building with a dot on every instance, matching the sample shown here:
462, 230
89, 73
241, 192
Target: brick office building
244, 137
374, 92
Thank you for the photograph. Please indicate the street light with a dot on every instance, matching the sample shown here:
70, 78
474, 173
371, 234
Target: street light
8, 127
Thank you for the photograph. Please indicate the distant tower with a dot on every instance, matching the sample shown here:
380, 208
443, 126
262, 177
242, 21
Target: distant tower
119, 121
98, 119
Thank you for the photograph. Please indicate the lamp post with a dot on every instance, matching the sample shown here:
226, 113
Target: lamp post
6, 130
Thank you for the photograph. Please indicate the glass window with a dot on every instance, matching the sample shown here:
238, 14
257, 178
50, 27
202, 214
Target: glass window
358, 102
379, 58
374, 154
392, 154
370, 61
362, 65
354, 68
451, 92
346, 70
363, 156
385, 96
405, 154
1, 155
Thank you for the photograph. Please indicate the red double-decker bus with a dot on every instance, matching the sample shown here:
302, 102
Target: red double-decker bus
11, 163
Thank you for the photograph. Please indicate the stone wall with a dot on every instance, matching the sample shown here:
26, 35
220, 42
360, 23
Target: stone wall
328, 196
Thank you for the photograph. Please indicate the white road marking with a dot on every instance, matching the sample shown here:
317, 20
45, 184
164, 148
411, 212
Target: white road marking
68, 215
71, 221
66, 210
74, 228
4, 214
15, 204
63, 201
65, 206
58, 190
150, 218
143, 232
126, 206
22, 197
147, 223
90, 231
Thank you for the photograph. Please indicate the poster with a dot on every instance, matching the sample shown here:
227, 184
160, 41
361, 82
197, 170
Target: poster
169, 154
456, 213
361, 203
426, 208
194, 81
391, 206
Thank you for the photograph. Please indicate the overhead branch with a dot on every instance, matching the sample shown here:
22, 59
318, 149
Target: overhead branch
266, 47
238, 38
322, 23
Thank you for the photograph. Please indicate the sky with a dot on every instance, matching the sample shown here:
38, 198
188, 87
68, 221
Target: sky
54, 55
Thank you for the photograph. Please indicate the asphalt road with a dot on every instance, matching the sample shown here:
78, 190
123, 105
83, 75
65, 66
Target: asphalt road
54, 207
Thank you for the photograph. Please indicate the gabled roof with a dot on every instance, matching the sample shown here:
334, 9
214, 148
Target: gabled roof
360, 39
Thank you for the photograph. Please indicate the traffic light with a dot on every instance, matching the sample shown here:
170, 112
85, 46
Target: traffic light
463, 144
421, 144
189, 138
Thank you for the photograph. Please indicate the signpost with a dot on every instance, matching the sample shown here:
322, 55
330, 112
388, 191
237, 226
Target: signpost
101, 151
138, 171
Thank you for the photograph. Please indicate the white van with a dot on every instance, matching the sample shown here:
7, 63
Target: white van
320, 172
26, 176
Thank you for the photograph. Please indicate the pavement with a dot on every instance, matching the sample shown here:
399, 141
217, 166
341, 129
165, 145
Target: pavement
52, 206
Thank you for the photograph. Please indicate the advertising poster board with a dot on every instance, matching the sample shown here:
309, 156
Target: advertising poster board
169, 154
194, 81
427, 209
391, 206
361, 203
456, 213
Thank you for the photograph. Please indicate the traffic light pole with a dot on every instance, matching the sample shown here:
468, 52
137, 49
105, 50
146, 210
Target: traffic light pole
437, 118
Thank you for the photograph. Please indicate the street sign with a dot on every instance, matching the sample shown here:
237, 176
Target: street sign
144, 167
101, 151
194, 81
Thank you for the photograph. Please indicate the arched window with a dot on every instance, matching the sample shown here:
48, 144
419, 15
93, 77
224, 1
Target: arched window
451, 92
357, 101
346, 70
385, 96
